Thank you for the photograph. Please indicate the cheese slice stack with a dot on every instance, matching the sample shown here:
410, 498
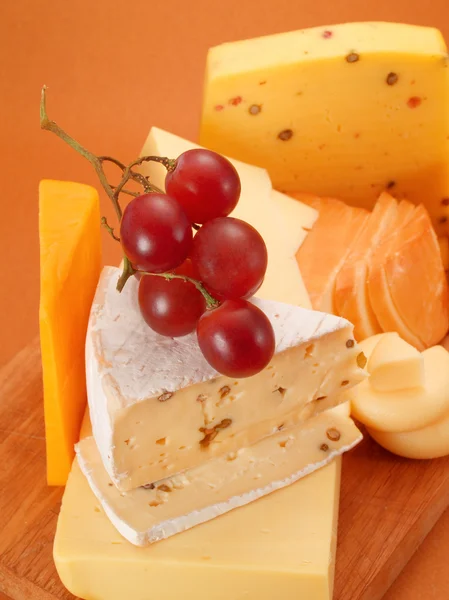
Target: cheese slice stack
155, 401
172, 505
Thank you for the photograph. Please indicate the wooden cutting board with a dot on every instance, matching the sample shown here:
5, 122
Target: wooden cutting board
388, 505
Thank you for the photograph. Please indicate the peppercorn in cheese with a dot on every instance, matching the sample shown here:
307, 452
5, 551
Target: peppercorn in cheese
344, 111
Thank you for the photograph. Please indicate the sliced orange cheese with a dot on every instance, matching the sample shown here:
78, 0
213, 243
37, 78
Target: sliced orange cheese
326, 247
378, 289
70, 261
416, 279
444, 250
351, 287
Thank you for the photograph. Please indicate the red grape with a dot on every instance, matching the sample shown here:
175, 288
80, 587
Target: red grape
231, 257
171, 307
155, 233
205, 184
237, 338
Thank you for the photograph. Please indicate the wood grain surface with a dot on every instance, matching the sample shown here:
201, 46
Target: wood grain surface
388, 505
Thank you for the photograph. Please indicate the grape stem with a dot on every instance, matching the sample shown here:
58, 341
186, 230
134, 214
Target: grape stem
114, 191
109, 229
211, 302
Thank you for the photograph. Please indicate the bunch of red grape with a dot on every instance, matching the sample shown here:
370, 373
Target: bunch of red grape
227, 255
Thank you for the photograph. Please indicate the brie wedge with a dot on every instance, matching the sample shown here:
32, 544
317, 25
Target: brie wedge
158, 408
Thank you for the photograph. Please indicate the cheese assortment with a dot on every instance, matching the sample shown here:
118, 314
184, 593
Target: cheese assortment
223, 359
346, 111
87, 543
405, 401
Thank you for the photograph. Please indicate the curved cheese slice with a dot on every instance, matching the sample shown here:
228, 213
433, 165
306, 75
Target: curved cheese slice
378, 288
175, 504
422, 296
157, 407
395, 365
325, 249
351, 286
429, 442
407, 409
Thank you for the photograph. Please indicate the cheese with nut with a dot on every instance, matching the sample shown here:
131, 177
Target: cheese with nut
175, 504
157, 407
343, 110
281, 222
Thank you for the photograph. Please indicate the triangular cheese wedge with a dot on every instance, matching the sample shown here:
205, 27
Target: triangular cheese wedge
259, 206
158, 408
175, 504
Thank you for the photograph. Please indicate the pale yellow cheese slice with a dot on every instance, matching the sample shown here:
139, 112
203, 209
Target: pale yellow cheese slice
283, 233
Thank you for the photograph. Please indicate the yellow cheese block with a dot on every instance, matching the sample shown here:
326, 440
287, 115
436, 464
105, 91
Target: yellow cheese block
345, 111
282, 545
70, 260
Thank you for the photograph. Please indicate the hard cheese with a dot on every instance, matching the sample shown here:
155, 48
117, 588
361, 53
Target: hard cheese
70, 255
178, 503
345, 111
395, 365
157, 407
283, 545
259, 206
405, 401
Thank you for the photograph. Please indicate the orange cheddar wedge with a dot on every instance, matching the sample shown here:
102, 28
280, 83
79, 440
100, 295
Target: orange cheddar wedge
326, 247
378, 289
70, 261
417, 281
351, 287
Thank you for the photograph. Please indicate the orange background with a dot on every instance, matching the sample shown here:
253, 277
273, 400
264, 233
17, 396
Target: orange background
113, 70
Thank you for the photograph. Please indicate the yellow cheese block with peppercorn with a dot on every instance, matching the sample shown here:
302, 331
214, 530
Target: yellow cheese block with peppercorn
345, 111
70, 260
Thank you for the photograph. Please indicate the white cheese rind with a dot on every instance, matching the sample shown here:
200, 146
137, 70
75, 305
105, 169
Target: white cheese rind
222, 484
129, 367
117, 333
